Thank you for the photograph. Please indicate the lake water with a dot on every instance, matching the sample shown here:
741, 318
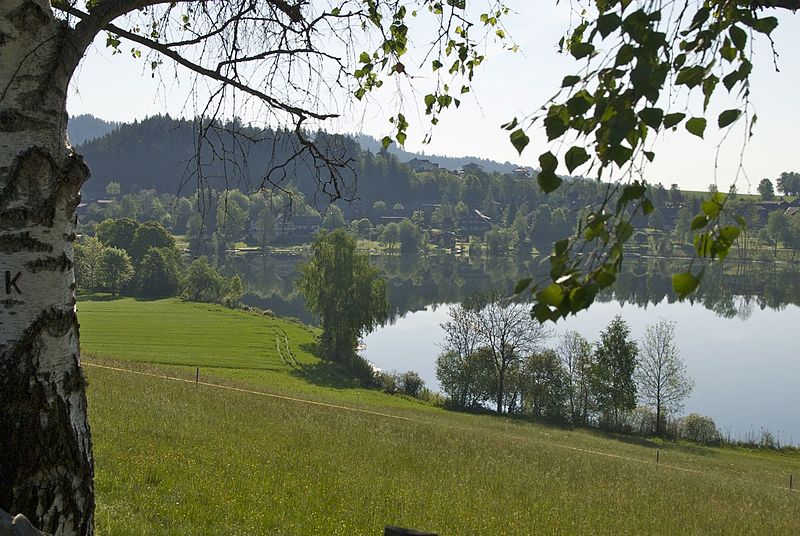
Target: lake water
740, 338
746, 372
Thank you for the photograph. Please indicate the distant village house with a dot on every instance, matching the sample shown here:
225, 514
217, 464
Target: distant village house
297, 228
474, 223
420, 165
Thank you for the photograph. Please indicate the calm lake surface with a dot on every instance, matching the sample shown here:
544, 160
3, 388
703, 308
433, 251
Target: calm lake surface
746, 372
740, 338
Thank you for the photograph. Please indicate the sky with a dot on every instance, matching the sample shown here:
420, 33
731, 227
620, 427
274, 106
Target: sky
118, 88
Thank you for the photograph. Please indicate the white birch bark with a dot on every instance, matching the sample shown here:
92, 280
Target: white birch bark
46, 465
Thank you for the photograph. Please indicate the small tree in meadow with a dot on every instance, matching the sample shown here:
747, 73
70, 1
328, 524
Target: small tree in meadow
203, 282
115, 269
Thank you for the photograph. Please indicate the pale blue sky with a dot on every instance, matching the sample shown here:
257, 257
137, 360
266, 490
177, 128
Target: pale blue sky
118, 88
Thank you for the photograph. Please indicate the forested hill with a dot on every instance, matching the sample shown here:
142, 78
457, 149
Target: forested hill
448, 162
160, 153
83, 128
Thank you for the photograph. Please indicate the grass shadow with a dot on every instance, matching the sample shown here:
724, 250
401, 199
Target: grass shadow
325, 373
98, 297
640, 441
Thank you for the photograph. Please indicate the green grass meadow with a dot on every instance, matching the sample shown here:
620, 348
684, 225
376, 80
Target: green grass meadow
270, 445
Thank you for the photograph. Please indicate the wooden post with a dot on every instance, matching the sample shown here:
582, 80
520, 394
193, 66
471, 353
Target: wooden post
197, 375
389, 530
791, 483
658, 453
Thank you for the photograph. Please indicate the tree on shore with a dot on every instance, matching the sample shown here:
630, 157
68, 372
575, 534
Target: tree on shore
577, 358
506, 329
544, 385
459, 368
612, 375
661, 376
347, 293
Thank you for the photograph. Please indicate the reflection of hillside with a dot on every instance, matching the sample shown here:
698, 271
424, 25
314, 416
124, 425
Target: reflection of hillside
418, 282
729, 290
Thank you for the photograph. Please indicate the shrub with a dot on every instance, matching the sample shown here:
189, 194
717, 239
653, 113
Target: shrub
700, 429
411, 384
640, 420
768, 441
387, 381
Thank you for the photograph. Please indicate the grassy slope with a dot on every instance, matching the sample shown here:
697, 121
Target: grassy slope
182, 459
197, 334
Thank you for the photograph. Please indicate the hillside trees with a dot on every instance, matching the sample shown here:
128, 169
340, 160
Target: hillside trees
766, 190
789, 183
346, 292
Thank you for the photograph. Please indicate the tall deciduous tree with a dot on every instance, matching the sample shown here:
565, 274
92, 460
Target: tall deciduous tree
459, 368
149, 235
87, 263
117, 233
577, 358
506, 329
615, 362
660, 372
203, 282
543, 385
347, 293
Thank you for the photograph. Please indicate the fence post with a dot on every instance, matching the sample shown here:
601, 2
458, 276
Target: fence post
197, 375
791, 483
658, 454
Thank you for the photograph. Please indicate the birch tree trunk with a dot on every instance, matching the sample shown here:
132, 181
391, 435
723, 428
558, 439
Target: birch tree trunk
46, 465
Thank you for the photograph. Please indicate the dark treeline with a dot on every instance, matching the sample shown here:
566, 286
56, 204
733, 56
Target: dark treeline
158, 153
449, 162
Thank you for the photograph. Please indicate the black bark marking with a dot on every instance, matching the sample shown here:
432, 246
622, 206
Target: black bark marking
29, 18
51, 264
11, 282
22, 242
15, 121
43, 459
44, 185
11, 302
